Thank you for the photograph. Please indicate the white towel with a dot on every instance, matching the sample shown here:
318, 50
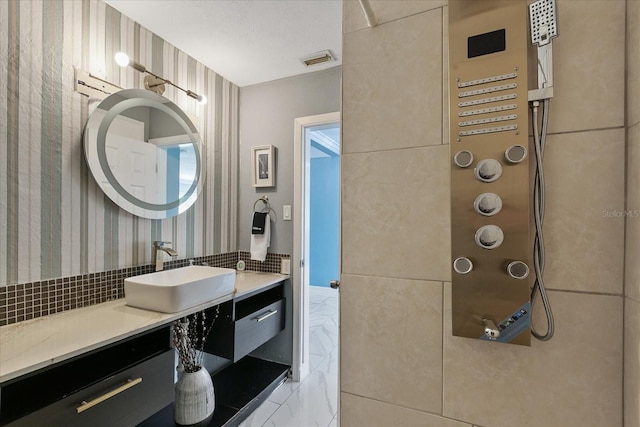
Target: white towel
260, 242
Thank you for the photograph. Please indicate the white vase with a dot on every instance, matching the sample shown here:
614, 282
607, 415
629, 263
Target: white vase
195, 399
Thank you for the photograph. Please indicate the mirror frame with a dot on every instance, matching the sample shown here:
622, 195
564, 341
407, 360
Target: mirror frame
96, 156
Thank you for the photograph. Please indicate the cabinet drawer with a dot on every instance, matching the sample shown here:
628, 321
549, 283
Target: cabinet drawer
131, 396
258, 327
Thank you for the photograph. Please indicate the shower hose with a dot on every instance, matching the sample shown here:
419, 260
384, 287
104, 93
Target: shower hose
539, 139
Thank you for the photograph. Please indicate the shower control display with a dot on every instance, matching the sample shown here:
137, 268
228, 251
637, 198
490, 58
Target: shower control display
513, 325
484, 44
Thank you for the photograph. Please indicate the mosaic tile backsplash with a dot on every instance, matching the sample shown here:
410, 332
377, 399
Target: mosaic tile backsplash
27, 301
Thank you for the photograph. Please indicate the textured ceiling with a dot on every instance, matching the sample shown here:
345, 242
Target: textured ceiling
245, 41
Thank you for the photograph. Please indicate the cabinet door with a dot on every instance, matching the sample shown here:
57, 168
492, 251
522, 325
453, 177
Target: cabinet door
125, 399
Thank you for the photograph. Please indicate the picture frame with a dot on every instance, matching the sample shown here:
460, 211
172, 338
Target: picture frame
263, 170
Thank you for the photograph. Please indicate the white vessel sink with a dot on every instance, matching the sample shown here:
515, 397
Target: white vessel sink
175, 290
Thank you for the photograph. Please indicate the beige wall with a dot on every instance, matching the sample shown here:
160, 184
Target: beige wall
400, 365
632, 273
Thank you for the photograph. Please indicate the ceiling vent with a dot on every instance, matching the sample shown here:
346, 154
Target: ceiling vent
318, 58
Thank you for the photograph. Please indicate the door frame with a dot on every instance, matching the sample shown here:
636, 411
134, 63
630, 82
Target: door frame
300, 274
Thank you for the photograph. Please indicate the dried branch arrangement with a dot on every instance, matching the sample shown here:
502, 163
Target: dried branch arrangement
189, 336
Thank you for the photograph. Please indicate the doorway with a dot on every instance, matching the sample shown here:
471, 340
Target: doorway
316, 165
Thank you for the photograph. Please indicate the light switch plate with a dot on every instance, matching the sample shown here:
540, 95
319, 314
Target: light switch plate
286, 212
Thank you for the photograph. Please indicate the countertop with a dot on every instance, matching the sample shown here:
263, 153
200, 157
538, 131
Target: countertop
34, 344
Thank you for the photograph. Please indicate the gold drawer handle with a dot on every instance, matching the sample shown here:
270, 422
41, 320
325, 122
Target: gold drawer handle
265, 316
86, 405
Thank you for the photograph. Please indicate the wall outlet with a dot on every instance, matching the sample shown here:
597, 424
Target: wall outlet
285, 266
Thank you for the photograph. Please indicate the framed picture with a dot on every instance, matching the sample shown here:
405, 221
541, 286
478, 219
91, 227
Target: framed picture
263, 170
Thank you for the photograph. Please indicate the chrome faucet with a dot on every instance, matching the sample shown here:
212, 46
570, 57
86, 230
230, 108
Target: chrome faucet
159, 246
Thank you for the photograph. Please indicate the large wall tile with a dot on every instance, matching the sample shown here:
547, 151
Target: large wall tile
588, 68
392, 94
391, 341
385, 11
395, 213
359, 411
584, 218
574, 380
632, 273
633, 62
632, 364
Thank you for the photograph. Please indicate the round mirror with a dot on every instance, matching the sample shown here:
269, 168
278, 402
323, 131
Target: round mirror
145, 154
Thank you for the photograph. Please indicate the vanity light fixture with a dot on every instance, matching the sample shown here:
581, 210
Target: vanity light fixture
152, 81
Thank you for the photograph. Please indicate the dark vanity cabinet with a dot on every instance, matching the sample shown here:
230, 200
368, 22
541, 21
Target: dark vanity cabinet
245, 334
120, 384
131, 382
247, 322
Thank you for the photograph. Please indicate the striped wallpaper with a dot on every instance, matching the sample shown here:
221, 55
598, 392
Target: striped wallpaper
54, 219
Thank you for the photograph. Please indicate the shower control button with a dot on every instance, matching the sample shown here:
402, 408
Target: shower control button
463, 158
488, 170
489, 237
462, 265
515, 154
487, 204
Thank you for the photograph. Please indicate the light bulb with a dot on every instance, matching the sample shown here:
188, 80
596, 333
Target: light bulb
202, 99
122, 59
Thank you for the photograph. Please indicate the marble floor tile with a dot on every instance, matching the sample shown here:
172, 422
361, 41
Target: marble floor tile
260, 415
322, 340
314, 401
329, 364
283, 392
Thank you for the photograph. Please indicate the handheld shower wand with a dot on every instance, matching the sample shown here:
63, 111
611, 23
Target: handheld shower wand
542, 17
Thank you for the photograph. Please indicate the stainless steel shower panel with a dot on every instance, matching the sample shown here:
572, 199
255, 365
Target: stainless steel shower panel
488, 117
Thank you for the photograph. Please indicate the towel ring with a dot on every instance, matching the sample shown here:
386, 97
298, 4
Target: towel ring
266, 208
265, 200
